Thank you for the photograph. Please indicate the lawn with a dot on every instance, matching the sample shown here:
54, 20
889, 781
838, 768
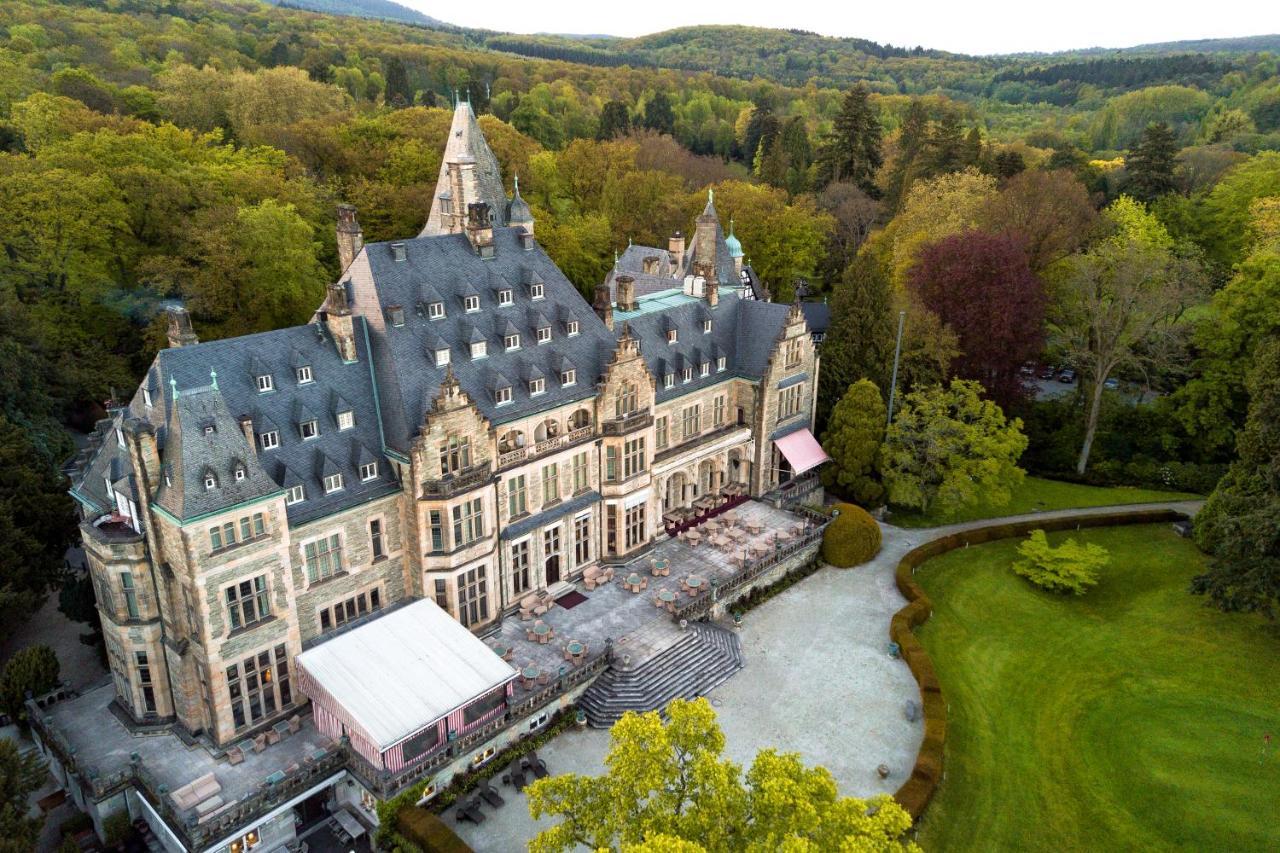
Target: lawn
1132, 718
1038, 494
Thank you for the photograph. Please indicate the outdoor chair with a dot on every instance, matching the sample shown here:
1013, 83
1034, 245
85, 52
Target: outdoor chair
234, 755
538, 766
491, 795
259, 743
295, 724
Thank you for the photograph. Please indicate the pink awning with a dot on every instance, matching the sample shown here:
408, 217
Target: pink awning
802, 450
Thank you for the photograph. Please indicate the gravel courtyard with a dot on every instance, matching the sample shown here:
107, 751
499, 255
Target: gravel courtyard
818, 681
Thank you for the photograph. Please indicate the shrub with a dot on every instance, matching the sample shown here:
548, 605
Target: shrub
852, 539
69, 845
116, 826
75, 824
428, 831
1071, 567
33, 669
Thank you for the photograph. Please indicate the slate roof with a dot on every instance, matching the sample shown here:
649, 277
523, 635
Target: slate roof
817, 315
466, 139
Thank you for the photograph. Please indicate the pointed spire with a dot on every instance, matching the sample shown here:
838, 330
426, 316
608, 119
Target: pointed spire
213, 378
516, 181
173, 387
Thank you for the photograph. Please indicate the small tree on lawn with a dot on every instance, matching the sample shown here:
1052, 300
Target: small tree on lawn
1071, 567
853, 440
34, 669
669, 788
948, 449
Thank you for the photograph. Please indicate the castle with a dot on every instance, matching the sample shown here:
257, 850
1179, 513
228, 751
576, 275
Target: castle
456, 425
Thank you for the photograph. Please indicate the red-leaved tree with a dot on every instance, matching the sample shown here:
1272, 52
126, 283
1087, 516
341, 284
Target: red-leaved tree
981, 285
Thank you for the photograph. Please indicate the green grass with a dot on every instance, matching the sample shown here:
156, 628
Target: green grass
1131, 718
1038, 494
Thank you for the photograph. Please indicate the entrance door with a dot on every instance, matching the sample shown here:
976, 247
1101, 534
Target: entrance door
551, 548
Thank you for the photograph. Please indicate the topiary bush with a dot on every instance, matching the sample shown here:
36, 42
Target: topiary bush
1071, 567
852, 538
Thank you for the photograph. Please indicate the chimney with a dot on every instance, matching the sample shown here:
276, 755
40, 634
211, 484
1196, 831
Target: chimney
626, 286
338, 320
675, 247
480, 228
144, 455
246, 427
711, 290
602, 306
350, 237
180, 332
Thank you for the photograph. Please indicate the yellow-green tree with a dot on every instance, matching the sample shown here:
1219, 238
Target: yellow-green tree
668, 789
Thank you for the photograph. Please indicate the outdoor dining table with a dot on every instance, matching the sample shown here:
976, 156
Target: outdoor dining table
667, 598
754, 526
694, 584
633, 582
530, 673
705, 502
541, 632
349, 824
693, 536
575, 649
661, 568
501, 649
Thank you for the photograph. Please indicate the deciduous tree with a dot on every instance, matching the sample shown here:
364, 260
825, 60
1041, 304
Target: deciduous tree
1050, 211
21, 775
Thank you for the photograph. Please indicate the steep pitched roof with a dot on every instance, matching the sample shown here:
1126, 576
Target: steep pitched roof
467, 140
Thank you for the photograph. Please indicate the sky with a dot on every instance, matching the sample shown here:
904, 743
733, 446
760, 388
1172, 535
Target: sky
961, 26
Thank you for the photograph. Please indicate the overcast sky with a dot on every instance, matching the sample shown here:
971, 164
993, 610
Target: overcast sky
976, 26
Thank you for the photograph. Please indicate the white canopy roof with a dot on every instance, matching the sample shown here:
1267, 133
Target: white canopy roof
405, 670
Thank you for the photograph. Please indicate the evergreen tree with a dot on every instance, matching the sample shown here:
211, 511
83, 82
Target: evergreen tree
398, 92
973, 148
859, 342
853, 439
22, 773
852, 151
1238, 525
761, 130
794, 141
1006, 164
1150, 163
658, 114
945, 150
912, 136
771, 162
615, 121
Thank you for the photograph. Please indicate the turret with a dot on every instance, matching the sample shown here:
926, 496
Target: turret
518, 213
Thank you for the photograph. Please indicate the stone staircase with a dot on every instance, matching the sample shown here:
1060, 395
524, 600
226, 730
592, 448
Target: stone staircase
703, 658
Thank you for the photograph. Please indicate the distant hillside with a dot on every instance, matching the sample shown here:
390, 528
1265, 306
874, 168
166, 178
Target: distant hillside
376, 9
1243, 44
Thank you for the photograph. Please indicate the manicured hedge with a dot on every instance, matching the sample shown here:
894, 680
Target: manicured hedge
429, 832
852, 539
918, 790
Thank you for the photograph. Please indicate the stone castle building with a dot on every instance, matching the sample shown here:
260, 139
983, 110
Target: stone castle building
456, 424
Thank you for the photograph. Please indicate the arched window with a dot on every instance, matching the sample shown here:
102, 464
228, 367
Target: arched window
512, 439
579, 419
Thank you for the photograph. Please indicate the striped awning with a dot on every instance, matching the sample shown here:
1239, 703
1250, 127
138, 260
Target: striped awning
802, 450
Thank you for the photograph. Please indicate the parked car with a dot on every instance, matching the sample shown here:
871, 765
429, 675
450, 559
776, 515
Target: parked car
1048, 372
1111, 384
1066, 377
1028, 369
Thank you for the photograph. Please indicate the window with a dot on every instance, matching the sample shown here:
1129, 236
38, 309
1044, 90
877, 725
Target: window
633, 457
672, 336
625, 403
634, 520
544, 334
455, 454
435, 310
308, 429
251, 528
332, 483
210, 481
706, 327
504, 297
572, 328
259, 686
442, 594
479, 349
720, 363
130, 594
687, 375
581, 478
473, 597
537, 386
436, 522
248, 602
789, 401
516, 505
295, 495
794, 352
669, 381
568, 377
511, 342
375, 538
144, 679
468, 522
611, 464
520, 567
222, 537
304, 375
551, 483
692, 421
717, 412
442, 357
705, 368
582, 540
265, 383
346, 420
471, 303
239, 474
502, 396
368, 471
146, 397
660, 432
535, 290
340, 613
270, 439
324, 558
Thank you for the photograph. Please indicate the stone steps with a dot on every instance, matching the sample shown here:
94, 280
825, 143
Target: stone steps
703, 658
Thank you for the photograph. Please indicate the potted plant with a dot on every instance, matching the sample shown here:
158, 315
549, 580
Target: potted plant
737, 619
580, 718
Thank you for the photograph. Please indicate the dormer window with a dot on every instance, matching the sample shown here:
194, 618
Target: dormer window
706, 327
535, 290
504, 296
672, 336
146, 397
435, 311
479, 349
368, 471
398, 253
210, 481
720, 363
308, 429
265, 383
111, 491
471, 303
119, 437
501, 396
537, 386
304, 375
669, 381
239, 474
295, 495
346, 420
569, 377
396, 314
706, 368
572, 328
209, 429
511, 342
688, 374
442, 357
332, 483
270, 440
544, 334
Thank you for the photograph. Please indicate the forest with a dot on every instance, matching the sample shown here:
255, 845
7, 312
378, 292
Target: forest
161, 150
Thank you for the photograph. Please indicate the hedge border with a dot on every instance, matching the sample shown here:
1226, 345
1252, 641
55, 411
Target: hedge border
916, 793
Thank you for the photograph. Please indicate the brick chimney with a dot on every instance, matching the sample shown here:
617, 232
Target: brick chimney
602, 306
350, 237
626, 287
675, 248
337, 318
180, 332
246, 427
480, 228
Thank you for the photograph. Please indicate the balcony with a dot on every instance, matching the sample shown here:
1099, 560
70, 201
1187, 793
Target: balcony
523, 454
627, 423
455, 484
